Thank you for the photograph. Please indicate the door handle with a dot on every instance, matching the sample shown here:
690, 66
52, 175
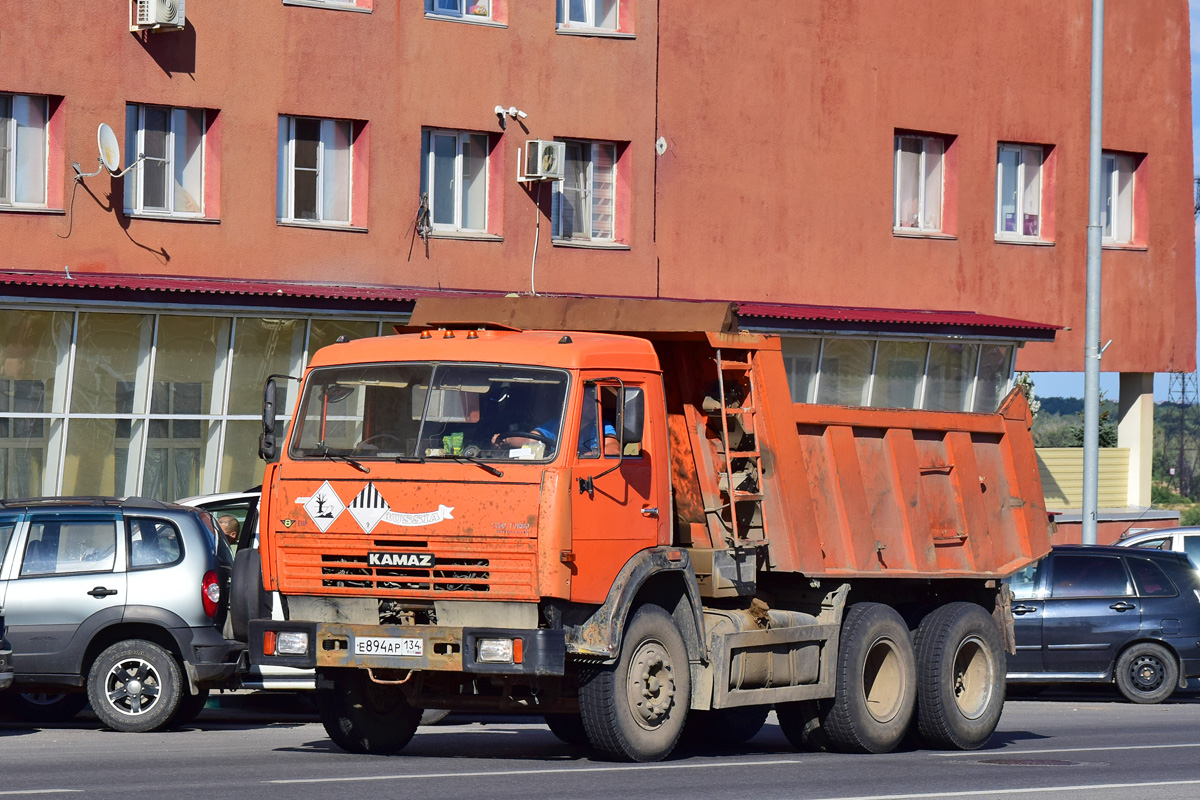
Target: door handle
1122, 606
1023, 609
100, 591
649, 511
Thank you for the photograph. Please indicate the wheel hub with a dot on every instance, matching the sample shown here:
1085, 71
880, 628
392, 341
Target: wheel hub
651, 685
1147, 673
132, 687
973, 678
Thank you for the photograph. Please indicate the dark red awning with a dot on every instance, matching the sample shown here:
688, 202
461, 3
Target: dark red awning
891, 319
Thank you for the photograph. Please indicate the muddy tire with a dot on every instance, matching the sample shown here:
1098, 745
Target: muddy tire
432, 716
44, 707
135, 686
960, 677
1147, 673
635, 710
802, 724
568, 728
876, 682
724, 728
361, 716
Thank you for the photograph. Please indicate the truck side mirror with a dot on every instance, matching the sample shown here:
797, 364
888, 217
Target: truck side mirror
633, 414
267, 448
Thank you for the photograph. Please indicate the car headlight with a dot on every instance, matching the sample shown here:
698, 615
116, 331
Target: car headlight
291, 643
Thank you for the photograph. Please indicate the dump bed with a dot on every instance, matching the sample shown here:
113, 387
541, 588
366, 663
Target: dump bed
848, 492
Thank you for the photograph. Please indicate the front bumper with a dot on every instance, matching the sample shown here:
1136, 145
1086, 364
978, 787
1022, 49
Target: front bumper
445, 649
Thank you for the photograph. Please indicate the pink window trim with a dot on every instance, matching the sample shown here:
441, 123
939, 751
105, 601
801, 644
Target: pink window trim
497, 157
624, 194
56, 152
949, 176
625, 16
360, 149
212, 164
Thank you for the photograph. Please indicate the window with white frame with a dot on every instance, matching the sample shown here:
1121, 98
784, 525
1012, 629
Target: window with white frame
454, 179
315, 162
898, 373
23, 145
470, 9
584, 202
170, 179
919, 168
597, 14
1117, 214
1018, 191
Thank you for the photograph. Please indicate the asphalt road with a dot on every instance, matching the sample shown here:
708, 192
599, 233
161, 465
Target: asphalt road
1063, 746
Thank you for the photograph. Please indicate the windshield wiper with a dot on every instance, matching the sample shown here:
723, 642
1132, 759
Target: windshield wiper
481, 464
345, 460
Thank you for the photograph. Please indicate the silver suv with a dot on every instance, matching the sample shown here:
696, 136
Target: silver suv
119, 602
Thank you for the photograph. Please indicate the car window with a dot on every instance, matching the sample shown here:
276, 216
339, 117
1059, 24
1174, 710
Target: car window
1151, 581
57, 546
1088, 576
1154, 544
1024, 583
1191, 546
153, 542
7, 526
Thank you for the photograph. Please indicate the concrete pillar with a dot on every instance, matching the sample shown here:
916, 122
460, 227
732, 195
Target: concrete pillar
1135, 430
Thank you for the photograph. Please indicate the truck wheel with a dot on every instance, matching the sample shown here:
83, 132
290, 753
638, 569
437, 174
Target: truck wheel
1147, 673
725, 727
362, 716
635, 709
876, 682
568, 728
960, 685
44, 706
135, 686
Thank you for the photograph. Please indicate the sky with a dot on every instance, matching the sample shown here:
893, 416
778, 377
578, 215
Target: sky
1070, 384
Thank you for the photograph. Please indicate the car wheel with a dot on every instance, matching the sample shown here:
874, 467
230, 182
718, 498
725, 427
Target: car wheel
190, 706
1147, 673
432, 716
135, 686
362, 716
45, 706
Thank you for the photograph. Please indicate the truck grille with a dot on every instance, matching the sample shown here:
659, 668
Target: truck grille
509, 570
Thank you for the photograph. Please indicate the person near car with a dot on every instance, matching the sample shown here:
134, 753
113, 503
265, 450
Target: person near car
230, 527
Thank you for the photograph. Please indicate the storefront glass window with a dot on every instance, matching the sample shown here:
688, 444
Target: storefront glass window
845, 367
899, 368
950, 376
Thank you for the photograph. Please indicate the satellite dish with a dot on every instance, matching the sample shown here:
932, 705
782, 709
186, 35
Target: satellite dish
110, 150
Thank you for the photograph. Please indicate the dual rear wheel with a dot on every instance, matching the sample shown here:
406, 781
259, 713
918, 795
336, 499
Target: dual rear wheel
945, 683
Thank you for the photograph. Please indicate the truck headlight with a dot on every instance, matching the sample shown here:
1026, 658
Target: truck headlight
291, 643
496, 651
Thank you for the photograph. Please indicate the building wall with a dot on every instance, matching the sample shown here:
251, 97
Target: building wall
777, 180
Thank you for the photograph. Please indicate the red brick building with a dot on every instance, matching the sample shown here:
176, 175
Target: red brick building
314, 165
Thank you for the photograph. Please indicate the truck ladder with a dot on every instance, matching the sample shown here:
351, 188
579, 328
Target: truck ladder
742, 488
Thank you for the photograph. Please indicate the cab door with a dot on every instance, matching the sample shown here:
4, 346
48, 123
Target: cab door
617, 488
67, 582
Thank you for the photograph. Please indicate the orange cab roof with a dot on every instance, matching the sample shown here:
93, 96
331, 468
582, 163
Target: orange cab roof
539, 348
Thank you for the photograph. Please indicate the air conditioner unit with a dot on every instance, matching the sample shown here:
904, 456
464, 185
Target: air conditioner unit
544, 161
158, 15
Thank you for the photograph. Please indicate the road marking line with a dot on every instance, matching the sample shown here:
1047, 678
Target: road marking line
1011, 753
39, 791
490, 774
1029, 790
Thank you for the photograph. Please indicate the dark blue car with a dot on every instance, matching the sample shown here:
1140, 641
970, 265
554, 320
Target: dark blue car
1108, 614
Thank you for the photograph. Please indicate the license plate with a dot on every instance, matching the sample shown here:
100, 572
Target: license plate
388, 646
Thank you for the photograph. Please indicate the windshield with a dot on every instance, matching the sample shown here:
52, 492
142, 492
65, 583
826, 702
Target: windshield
390, 411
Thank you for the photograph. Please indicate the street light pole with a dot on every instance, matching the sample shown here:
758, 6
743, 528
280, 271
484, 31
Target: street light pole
1091, 345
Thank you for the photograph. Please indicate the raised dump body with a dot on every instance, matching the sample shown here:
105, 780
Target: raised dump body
630, 534
846, 491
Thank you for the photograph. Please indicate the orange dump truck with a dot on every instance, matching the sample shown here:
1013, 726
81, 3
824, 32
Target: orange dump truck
633, 533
